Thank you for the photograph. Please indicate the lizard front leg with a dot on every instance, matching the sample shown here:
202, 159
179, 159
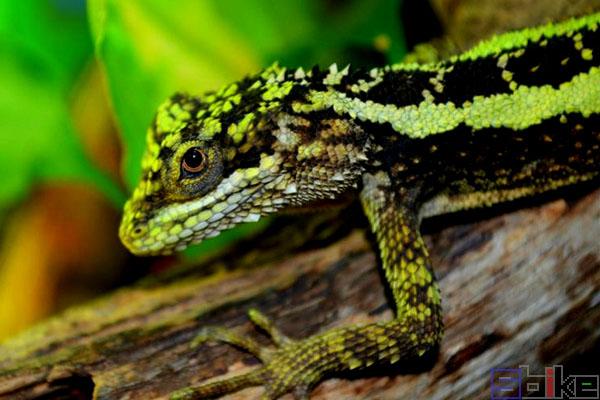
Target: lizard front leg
297, 365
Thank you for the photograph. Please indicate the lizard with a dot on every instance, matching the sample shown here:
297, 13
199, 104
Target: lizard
515, 116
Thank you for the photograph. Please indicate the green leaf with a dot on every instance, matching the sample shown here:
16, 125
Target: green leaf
55, 38
308, 32
43, 50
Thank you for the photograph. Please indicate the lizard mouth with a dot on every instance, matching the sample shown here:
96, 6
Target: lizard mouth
176, 226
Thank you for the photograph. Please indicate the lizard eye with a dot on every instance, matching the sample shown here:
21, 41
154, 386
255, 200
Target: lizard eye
196, 169
194, 160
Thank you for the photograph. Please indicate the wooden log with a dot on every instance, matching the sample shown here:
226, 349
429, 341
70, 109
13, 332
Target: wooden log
518, 288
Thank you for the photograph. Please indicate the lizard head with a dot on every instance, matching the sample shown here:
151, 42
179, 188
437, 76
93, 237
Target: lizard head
233, 156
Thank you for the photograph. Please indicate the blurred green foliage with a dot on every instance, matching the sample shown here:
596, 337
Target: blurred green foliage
43, 48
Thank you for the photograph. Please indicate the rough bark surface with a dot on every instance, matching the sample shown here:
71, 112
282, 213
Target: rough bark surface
518, 288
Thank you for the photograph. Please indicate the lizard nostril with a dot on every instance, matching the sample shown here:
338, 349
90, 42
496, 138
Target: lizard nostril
137, 232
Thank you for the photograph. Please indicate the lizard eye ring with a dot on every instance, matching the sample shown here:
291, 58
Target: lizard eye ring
196, 169
194, 160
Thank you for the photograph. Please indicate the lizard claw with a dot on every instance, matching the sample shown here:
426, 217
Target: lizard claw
229, 336
264, 323
277, 377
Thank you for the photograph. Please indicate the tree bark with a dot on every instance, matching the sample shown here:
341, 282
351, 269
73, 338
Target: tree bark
518, 288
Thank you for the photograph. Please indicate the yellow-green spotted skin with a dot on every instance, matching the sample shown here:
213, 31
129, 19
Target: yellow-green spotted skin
515, 116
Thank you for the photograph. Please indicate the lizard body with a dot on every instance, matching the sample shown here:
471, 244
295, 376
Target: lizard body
515, 116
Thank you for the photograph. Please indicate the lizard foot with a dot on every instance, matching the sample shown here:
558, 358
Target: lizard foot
298, 365
277, 373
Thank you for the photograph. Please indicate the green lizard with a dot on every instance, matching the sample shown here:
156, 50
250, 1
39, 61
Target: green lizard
515, 116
